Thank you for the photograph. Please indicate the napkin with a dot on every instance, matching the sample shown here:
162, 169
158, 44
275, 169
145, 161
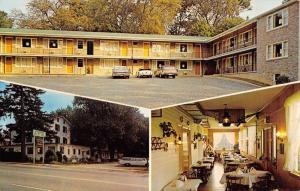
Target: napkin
253, 170
239, 171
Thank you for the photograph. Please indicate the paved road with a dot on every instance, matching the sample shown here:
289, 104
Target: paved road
14, 177
148, 93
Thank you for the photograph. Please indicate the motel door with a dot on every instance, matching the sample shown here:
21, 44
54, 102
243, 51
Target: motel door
124, 63
90, 47
197, 68
46, 66
124, 48
146, 49
70, 66
8, 65
89, 67
70, 46
197, 51
8, 45
146, 64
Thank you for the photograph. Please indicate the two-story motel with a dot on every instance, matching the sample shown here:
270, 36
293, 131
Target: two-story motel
263, 48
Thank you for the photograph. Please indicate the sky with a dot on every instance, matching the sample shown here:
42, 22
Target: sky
258, 6
53, 101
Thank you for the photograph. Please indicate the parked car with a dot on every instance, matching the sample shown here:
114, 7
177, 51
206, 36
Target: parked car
120, 71
142, 73
167, 71
132, 161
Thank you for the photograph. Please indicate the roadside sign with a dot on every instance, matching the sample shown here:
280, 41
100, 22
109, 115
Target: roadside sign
37, 133
38, 140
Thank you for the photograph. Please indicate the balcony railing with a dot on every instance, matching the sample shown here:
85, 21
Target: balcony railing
239, 69
136, 53
239, 45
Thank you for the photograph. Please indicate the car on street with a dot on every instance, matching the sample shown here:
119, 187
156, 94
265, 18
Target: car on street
120, 71
144, 73
166, 72
133, 161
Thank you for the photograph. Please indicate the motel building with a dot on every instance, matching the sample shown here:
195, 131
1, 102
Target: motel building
262, 49
61, 143
202, 145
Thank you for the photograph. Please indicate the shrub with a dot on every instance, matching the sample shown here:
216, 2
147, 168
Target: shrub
65, 158
282, 79
50, 156
59, 156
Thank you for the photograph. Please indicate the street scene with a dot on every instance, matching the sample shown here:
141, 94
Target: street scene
140, 92
48, 140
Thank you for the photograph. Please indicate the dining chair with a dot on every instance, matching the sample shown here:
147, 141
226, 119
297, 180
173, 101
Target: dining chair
234, 183
264, 183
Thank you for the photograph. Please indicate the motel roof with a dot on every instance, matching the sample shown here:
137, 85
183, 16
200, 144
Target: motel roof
101, 35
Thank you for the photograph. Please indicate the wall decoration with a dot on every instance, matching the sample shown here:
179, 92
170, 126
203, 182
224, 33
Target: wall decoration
157, 144
156, 113
167, 129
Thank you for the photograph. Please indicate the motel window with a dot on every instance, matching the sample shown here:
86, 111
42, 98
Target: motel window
29, 150
278, 19
88, 152
57, 140
157, 47
65, 129
231, 62
53, 43
80, 63
57, 119
160, 64
80, 44
79, 152
65, 140
40, 150
183, 47
57, 127
68, 151
62, 150
11, 150
245, 59
278, 50
232, 42
183, 65
252, 140
224, 140
26, 42
74, 151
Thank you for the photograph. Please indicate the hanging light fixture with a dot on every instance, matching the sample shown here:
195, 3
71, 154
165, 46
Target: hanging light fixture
226, 117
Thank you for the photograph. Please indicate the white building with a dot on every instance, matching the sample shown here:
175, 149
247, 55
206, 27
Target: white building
61, 143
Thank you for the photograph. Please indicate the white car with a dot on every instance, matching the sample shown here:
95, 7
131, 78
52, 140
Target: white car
131, 161
144, 73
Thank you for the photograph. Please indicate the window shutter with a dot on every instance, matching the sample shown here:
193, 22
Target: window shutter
285, 49
285, 15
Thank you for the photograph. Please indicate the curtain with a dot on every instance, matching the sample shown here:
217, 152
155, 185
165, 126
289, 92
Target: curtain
292, 108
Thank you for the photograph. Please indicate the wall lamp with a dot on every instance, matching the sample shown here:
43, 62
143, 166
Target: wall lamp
179, 141
281, 135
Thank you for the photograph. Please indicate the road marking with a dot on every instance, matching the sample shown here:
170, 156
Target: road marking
83, 179
30, 187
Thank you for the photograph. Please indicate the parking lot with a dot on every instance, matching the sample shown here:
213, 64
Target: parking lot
148, 93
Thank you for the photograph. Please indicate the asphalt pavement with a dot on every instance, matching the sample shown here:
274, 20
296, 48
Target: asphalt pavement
148, 93
25, 177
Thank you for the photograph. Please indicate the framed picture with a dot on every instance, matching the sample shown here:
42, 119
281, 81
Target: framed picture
156, 113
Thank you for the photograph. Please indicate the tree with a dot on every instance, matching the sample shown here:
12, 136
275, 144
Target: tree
103, 125
5, 21
208, 18
141, 16
25, 106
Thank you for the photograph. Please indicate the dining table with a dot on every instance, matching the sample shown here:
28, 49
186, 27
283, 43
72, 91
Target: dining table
248, 178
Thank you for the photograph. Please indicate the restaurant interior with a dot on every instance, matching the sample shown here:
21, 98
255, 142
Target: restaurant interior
246, 141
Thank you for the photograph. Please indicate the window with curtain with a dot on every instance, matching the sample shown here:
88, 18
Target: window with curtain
292, 109
244, 140
224, 140
252, 140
